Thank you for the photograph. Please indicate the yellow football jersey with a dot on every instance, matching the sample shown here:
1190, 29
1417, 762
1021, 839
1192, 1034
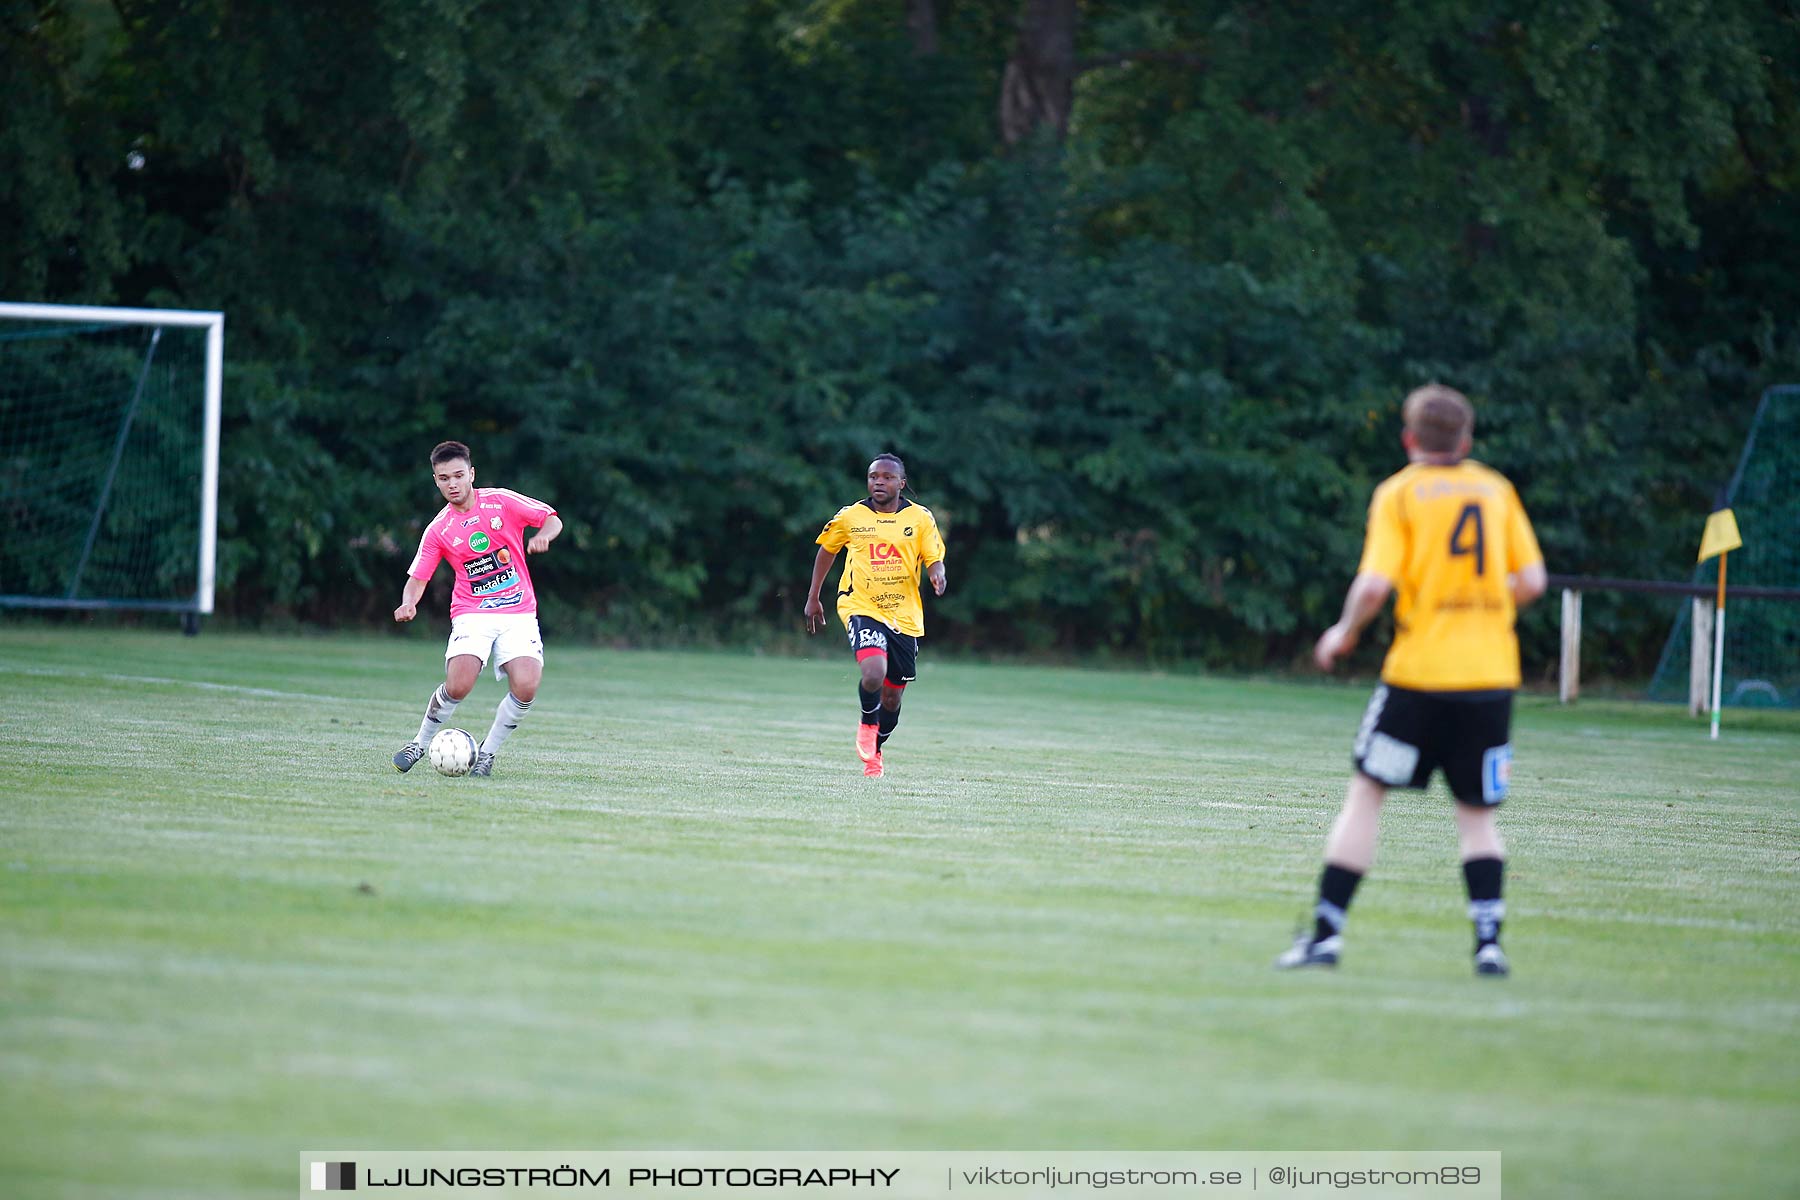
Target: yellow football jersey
881, 569
1448, 537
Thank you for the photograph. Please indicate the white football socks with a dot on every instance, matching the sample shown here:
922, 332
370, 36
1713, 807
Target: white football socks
437, 711
512, 710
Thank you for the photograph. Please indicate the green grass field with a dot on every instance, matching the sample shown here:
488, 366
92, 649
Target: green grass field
678, 917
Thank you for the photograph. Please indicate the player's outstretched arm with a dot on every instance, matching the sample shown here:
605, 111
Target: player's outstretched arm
409, 599
815, 612
540, 541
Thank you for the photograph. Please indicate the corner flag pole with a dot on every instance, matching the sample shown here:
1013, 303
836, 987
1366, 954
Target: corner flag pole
1720, 538
1719, 646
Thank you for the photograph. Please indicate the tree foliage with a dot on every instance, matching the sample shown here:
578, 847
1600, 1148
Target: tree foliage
683, 267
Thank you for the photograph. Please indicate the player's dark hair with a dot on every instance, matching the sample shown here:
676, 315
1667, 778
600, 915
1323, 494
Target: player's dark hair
445, 452
890, 456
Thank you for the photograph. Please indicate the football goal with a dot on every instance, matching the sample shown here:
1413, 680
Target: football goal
109, 457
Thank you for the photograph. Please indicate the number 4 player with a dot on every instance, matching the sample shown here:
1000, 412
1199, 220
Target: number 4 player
1452, 537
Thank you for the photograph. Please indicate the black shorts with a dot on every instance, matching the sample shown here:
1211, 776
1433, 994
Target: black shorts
1406, 735
869, 636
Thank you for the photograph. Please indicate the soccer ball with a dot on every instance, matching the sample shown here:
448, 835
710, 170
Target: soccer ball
453, 751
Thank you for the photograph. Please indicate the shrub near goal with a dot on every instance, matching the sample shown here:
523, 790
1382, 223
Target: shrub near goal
109, 457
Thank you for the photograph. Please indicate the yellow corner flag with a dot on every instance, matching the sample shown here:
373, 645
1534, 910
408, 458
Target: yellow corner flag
1721, 535
1720, 538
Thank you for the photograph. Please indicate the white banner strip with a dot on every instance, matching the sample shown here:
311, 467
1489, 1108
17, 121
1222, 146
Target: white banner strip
912, 1174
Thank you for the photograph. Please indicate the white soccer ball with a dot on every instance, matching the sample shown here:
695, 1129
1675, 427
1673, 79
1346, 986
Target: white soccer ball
453, 751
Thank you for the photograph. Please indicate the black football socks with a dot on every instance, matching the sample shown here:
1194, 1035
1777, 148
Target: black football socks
1336, 886
1485, 877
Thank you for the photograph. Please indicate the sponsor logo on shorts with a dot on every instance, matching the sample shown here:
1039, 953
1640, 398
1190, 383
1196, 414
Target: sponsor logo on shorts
504, 601
478, 541
1390, 760
866, 637
1496, 773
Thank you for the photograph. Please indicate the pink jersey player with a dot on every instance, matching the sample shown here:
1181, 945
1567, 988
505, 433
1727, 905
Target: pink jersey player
493, 609
485, 546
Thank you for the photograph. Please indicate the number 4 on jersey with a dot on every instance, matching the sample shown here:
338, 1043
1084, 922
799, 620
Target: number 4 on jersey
1469, 520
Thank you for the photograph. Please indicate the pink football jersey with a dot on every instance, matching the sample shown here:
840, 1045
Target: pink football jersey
486, 551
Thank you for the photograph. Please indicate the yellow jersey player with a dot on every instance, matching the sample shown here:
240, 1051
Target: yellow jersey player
888, 538
1451, 536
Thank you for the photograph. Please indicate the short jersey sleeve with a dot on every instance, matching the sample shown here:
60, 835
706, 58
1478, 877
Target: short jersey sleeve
931, 549
1521, 541
1384, 544
836, 534
526, 510
431, 553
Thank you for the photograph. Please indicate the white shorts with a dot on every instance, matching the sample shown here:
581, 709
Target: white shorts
506, 635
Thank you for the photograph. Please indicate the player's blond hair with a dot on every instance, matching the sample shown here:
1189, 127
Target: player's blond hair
1439, 418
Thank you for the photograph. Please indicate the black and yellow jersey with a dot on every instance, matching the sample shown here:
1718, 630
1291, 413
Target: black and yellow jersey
881, 569
1448, 537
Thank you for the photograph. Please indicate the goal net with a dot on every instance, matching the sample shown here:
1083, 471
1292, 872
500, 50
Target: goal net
1762, 635
109, 457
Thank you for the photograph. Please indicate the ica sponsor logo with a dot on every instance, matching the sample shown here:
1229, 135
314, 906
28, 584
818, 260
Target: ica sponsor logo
883, 551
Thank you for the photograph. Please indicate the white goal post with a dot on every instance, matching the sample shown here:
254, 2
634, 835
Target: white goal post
76, 317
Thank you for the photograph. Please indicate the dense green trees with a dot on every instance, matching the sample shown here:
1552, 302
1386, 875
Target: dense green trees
1135, 286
